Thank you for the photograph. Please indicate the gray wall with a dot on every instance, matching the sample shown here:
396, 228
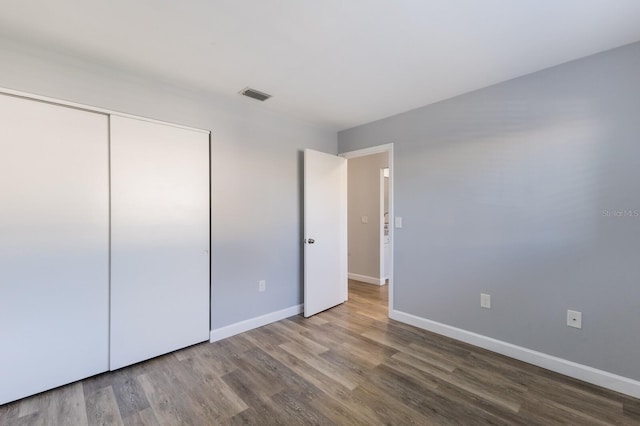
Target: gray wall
364, 200
506, 191
256, 167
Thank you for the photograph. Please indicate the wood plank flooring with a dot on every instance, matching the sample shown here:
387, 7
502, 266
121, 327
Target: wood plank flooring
349, 365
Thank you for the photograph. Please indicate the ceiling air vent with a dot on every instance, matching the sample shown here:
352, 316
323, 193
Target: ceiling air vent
254, 94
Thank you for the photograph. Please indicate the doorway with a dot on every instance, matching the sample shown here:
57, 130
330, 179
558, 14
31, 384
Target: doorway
370, 213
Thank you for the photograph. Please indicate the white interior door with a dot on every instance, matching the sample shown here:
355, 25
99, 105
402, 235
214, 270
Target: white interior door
54, 246
159, 239
325, 231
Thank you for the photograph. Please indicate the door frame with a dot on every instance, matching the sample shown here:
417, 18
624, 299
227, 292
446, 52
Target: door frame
388, 148
384, 273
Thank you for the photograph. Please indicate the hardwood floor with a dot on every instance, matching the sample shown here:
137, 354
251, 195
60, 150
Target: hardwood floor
349, 365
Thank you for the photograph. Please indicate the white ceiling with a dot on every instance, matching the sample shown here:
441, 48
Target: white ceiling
336, 63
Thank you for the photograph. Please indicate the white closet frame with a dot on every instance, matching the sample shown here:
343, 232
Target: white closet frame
102, 363
90, 108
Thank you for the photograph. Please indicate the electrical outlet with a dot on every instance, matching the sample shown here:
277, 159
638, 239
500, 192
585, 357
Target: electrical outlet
365, 219
485, 301
574, 319
262, 285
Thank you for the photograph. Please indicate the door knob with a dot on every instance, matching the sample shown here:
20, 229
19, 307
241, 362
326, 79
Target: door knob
311, 241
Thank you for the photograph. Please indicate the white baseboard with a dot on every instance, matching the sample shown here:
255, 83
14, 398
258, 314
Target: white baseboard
367, 279
568, 368
250, 324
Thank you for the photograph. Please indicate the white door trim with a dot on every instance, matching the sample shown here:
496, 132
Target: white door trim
383, 273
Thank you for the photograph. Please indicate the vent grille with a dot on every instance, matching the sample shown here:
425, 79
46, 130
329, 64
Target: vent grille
255, 94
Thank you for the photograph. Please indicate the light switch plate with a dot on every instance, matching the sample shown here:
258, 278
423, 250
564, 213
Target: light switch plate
485, 301
398, 222
365, 219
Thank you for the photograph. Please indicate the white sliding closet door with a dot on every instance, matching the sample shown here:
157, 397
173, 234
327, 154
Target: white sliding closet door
54, 246
159, 239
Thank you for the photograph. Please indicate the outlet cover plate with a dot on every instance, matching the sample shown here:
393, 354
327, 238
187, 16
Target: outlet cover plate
574, 319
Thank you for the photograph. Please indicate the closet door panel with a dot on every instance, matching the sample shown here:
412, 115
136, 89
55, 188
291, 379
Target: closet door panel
54, 246
160, 239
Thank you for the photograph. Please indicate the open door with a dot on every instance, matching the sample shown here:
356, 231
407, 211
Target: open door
325, 231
